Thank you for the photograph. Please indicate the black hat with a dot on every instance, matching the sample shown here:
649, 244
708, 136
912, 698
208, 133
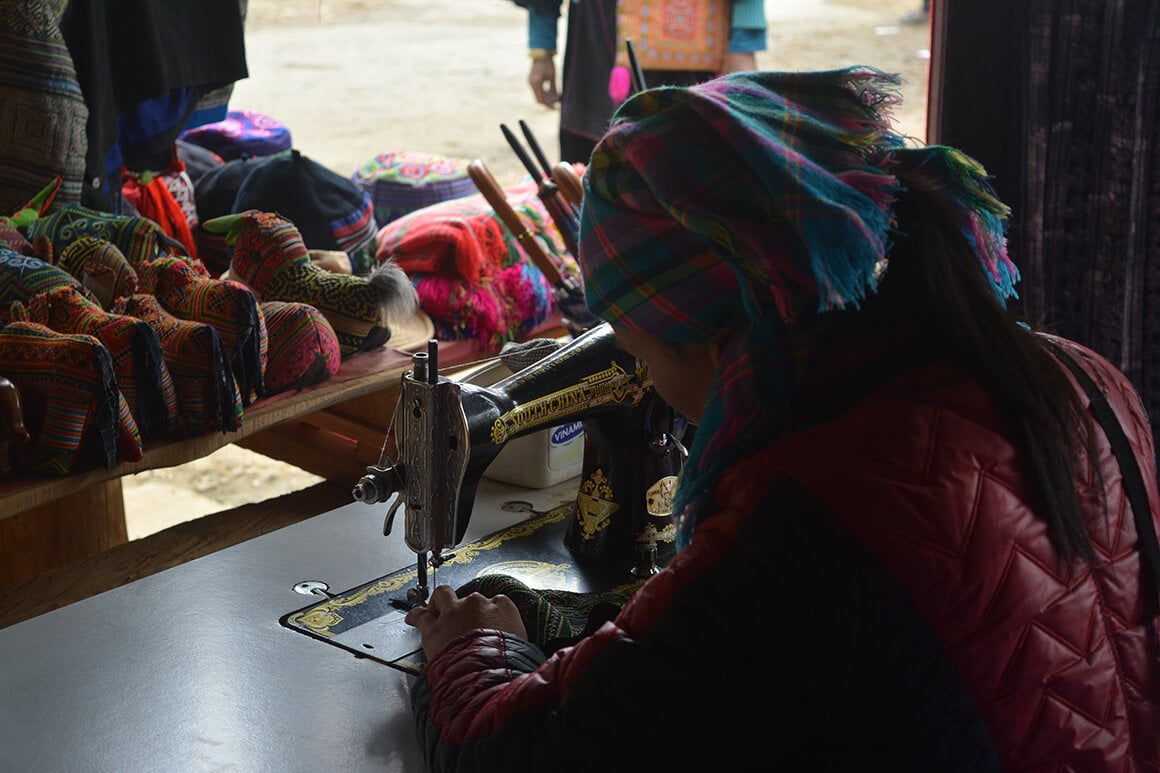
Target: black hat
197, 160
330, 211
215, 190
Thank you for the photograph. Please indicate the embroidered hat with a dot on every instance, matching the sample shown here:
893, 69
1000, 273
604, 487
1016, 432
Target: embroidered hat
329, 211
242, 134
215, 190
400, 182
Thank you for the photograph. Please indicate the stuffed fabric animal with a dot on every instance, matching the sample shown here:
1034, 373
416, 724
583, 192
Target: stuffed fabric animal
138, 361
70, 398
303, 346
22, 277
207, 394
139, 238
271, 258
101, 268
186, 291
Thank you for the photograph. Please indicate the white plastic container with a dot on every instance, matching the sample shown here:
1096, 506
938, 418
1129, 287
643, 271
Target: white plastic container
538, 460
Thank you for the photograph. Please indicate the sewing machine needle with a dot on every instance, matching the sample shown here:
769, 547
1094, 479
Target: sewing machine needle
422, 579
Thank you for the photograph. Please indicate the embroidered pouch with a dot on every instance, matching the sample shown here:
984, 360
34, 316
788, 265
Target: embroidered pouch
138, 238
102, 268
22, 277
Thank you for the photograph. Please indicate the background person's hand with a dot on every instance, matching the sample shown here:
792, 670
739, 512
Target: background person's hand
446, 617
739, 62
542, 79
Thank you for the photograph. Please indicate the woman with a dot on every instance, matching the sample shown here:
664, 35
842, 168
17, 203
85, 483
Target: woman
906, 543
587, 96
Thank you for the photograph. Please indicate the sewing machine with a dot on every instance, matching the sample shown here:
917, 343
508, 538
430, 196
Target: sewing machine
447, 432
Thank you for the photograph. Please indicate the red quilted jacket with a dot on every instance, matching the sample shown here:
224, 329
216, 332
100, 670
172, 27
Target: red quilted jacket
874, 593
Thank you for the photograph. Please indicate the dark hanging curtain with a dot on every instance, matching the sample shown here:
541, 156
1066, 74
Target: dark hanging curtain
1060, 100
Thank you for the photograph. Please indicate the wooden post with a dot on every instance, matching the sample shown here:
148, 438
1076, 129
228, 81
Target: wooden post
53, 535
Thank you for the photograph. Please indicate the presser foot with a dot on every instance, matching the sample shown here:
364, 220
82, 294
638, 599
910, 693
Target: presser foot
418, 595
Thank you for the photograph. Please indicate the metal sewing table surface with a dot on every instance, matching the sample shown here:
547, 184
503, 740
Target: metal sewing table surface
190, 669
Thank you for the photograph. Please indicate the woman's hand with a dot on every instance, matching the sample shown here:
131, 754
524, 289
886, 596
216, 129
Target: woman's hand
739, 62
446, 617
542, 79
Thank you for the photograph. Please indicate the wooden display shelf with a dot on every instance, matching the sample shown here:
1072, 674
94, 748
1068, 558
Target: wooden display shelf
334, 430
360, 374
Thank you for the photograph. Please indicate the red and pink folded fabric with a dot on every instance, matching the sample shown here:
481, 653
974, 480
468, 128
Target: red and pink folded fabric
473, 277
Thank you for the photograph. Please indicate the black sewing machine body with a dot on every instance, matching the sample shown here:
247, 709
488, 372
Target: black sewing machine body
447, 433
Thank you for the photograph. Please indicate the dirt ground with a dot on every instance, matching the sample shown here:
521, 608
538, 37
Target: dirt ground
354, 78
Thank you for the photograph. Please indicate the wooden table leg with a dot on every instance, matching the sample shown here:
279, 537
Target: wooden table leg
71, 528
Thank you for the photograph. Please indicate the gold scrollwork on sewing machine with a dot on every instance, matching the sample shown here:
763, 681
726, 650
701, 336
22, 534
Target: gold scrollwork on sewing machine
612, 385
595, 505
659, 497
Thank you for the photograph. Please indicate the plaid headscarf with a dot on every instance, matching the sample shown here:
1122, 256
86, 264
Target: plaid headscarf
722, 211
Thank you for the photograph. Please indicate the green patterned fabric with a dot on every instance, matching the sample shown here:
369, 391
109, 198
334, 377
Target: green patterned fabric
553, 618
139, 238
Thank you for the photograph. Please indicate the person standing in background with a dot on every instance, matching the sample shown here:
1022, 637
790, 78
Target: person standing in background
917, 16
590, 54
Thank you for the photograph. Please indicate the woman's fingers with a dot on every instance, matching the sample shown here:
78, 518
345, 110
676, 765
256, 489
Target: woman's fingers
441, 598
446, 616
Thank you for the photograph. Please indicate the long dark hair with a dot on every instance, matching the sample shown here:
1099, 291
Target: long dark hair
935, 273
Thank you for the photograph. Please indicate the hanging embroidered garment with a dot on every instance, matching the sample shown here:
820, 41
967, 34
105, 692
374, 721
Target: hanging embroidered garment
673, 34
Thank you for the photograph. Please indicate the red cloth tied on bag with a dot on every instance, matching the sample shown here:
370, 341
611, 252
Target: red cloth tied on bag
153, 198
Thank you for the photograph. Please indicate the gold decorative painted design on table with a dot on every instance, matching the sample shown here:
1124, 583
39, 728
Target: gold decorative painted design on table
321, 619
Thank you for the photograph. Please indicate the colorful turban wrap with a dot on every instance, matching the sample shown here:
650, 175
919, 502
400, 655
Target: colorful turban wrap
722, 211
743, 188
